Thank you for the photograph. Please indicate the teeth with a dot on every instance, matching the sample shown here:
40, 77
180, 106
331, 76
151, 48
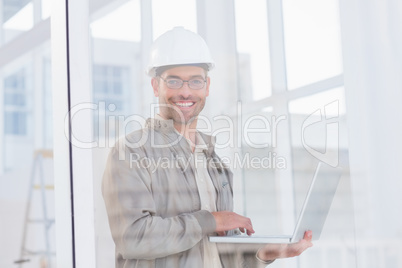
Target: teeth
184, 104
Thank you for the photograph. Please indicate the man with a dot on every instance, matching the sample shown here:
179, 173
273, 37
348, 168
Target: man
164, 187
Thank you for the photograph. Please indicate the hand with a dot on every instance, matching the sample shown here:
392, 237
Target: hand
226, 220
277, 251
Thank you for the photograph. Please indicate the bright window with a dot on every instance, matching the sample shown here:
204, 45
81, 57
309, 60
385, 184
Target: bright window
312, 41
15, 104
253, 49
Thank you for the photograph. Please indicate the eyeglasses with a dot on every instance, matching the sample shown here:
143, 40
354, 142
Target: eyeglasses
177, 83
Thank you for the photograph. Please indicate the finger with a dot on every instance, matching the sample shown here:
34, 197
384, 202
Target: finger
308, 235
250, 231
221, 233
249, 227
241, 229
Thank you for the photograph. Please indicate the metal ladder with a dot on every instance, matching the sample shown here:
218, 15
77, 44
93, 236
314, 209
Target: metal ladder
37, 182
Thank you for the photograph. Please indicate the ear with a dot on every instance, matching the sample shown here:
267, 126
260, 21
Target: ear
155, 86
207, 89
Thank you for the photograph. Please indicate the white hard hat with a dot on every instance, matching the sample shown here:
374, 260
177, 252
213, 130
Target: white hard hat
178, 47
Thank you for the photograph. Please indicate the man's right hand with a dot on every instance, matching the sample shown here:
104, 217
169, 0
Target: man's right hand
227, 220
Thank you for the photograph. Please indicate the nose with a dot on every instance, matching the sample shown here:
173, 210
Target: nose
185, 90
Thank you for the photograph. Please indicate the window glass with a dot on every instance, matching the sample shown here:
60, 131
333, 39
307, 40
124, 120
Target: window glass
253, 49
48, 102
26, 161
318, 128
16, 106
110, 90
15, 123
117, 94
172, 13
119, 87
46, 6
245, 143
312, 41
121, 23
308, 105
20, 16
319, 134
257, 161
116, 70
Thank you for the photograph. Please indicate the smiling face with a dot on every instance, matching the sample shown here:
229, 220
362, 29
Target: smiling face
182, 105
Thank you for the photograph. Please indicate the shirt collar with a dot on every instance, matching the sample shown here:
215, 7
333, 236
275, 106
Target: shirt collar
203, 141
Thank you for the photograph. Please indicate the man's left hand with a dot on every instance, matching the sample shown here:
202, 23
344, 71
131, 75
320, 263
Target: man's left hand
278, 251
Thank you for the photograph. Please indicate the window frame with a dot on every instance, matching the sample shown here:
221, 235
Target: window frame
279, 100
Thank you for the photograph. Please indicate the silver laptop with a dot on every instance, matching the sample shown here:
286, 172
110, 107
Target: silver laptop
312, 217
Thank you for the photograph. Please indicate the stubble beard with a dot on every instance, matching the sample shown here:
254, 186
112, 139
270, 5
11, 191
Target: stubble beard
179, 118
